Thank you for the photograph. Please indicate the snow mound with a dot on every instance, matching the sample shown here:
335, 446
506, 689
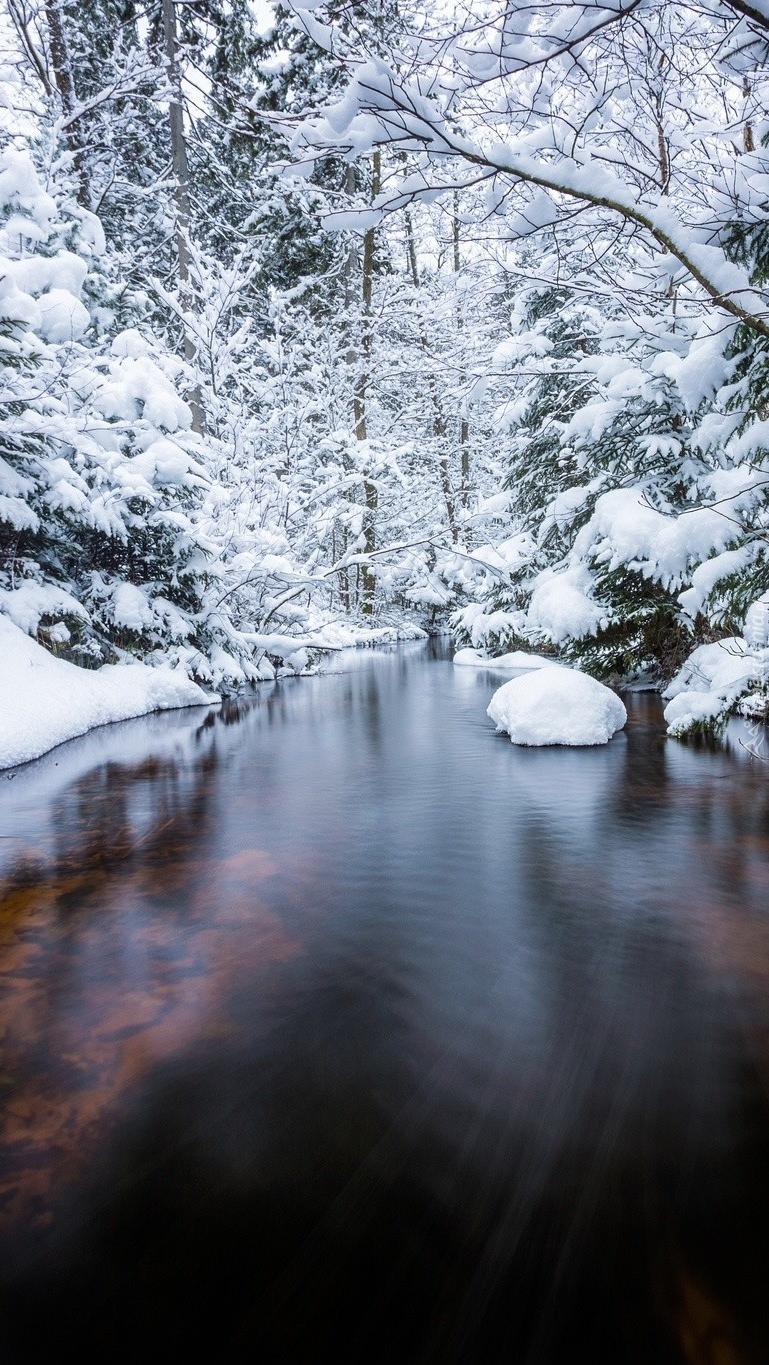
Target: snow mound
44, 700
557, 706
503, 663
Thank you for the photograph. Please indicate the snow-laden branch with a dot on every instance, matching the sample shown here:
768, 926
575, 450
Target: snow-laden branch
419, 115
757, 11
133, 78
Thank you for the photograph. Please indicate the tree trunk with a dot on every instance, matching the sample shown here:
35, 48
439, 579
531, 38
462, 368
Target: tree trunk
181, 180
439, 421
464, 425
360, 398
65, 84
748, 140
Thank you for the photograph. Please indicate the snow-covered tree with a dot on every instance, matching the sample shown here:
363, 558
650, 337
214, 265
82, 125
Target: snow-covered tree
105, 486
628, 142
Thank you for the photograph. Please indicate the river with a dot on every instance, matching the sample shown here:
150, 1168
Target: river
334, 1024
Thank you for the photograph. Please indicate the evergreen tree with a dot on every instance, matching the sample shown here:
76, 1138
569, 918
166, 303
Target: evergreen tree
104, 486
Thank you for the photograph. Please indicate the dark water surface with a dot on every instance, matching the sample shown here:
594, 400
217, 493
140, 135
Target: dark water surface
332, 1024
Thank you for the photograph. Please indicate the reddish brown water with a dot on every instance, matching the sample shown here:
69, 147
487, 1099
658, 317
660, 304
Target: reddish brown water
332, 1023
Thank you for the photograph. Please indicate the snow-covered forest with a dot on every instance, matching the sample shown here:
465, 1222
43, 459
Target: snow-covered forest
325, 322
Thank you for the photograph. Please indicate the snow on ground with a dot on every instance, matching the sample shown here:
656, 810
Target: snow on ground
340, 635
503, 663
557, 706
44, 700
711, 681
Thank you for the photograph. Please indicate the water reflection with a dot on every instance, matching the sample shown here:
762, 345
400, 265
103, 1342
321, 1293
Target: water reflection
333, 1023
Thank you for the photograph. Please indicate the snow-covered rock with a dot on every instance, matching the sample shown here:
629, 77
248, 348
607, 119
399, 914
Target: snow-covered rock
44, 700
557, 706
514, 662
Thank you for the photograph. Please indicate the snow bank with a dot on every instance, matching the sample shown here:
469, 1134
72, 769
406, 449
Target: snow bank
711, 681
44, 700
343, 635
517, 661
557, 706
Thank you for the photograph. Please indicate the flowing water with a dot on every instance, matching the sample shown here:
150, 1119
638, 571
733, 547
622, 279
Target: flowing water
334, 1025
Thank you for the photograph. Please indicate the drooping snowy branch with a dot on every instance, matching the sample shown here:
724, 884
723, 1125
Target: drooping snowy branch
477, 109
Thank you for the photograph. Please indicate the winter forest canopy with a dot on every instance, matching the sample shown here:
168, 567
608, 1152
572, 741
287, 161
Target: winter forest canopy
324, 320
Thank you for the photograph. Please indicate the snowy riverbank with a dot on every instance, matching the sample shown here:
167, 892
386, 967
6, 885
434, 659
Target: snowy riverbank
45, 701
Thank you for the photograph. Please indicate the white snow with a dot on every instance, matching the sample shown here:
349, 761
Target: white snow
514, 662
166, 463
561, 607
708, 574
36, 274
30, 602
626, 530
44, 700
297, 661
557, 706
135, 382
129, 343
710, 682
131, 607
